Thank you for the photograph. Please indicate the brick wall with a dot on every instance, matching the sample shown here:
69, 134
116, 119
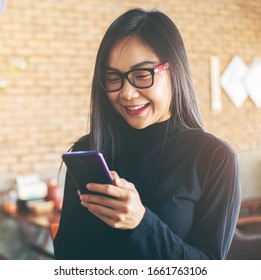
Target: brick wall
44, 108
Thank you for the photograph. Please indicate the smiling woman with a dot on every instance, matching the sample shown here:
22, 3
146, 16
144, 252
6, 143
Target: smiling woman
176, 191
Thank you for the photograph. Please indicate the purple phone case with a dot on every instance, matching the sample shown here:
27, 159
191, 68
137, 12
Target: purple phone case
87, 167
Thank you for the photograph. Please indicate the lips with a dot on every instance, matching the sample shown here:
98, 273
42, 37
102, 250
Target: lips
136, 109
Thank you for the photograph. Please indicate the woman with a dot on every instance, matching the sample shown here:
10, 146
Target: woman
176, 193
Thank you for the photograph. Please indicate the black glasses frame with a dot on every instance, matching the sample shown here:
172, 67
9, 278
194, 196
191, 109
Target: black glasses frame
125, 76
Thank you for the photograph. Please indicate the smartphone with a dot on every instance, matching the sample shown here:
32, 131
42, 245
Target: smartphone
87, 167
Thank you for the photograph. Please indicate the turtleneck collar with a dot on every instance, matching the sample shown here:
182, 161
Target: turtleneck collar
155, 131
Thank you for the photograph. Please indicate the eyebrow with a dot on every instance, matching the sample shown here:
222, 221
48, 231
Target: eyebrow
140, 64
137, 65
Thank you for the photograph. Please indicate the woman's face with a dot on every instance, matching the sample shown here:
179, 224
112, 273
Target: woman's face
139, 107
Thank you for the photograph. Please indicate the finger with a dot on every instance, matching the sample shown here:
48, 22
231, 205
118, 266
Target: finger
109, 190
112, 218
102, 200
85, 204
115, 176
122, 183
118, 181
101, 210
108, 215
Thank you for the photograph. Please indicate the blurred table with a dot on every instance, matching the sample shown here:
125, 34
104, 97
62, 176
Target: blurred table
250, 216
27, 222
251, 206
249, 220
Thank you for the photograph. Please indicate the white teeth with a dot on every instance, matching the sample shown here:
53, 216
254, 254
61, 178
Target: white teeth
133, 108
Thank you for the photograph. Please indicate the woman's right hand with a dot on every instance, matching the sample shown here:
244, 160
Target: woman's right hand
119, 205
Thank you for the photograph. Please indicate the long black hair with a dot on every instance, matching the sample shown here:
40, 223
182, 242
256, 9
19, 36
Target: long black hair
161, 35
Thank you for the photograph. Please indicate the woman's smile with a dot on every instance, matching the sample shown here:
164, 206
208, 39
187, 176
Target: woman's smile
137, 109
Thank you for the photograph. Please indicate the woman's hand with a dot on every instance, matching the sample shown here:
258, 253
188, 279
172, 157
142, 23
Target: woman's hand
118, 206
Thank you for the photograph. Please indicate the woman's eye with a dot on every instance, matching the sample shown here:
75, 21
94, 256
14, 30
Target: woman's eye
143, 75
113, 79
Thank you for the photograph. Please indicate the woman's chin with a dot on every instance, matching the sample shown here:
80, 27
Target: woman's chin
137, 124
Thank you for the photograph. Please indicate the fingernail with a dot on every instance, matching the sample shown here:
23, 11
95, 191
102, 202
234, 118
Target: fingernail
117, 180
85, 204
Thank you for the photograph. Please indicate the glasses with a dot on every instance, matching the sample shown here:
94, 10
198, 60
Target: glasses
139, 78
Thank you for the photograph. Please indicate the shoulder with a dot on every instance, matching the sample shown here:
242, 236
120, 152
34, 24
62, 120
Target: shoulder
82, 144
207, 142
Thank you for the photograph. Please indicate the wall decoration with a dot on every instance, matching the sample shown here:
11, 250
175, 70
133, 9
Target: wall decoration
232, 81
216, 102
252, 81
239, 81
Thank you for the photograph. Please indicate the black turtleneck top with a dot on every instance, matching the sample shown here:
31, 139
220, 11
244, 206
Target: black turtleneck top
188, 182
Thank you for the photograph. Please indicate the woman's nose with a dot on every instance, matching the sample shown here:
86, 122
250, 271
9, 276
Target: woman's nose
128, 91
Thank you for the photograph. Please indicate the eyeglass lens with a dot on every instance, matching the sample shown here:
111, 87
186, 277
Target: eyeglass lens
140, 78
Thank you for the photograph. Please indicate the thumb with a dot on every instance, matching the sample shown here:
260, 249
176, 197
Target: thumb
115, 177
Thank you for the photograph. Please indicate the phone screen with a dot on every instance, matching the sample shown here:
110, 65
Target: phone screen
87, 167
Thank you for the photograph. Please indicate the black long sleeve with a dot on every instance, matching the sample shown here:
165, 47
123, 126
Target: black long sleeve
189, 183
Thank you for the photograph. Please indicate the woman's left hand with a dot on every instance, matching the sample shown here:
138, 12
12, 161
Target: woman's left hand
118, 206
